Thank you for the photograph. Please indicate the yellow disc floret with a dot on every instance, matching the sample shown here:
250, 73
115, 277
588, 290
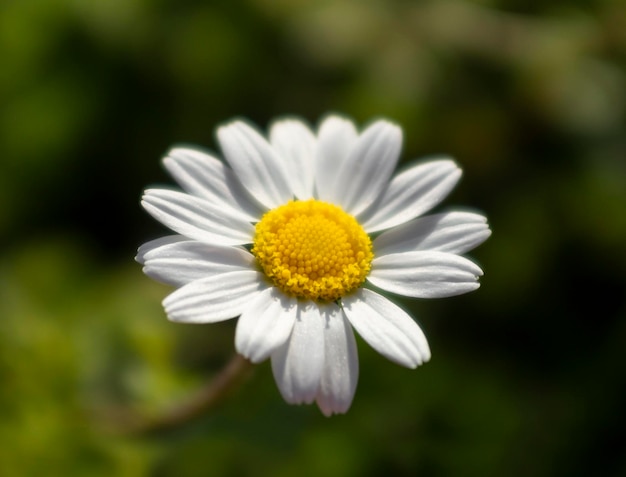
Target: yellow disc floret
312, 249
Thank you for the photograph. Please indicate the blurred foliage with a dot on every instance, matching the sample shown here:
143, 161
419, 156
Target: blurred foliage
528, 375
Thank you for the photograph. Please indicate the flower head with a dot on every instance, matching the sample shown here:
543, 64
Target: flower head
293, 234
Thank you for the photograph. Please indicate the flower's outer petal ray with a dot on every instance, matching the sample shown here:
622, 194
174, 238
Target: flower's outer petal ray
154, 244
452, 232
204, 176
335, 138
257, 166
214, 299
425, 274
183, 262
297, 365
295, 144
341, 363
265, 325
365, 173
411, 194
387, 328
196, 218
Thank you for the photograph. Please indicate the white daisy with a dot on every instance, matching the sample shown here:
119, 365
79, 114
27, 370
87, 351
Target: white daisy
281, 235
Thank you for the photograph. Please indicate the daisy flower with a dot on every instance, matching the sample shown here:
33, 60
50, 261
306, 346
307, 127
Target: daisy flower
295, 233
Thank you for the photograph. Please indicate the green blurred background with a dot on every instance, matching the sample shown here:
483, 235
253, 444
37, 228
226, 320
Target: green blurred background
528, 375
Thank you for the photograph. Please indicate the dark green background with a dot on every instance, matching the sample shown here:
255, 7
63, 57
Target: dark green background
528, 375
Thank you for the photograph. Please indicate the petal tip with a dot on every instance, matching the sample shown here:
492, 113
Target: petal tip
330, 409
336, 121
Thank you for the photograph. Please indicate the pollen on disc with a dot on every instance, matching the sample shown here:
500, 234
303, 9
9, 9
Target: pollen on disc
312, 249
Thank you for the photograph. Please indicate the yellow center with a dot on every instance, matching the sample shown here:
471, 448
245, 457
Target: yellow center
311, 249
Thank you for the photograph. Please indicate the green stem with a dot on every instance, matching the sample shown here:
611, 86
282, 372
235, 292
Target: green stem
205, 399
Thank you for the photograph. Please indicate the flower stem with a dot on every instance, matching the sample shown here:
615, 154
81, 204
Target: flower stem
205, 399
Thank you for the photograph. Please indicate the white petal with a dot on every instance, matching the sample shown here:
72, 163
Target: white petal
425, 274
205, 176
196, 218
386, 328
412, 193
183, 262
295, 144
452, 232
336, 137
213, 299
154, 244
256, 164
341, 363
297, 365
265, 325
365, 173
